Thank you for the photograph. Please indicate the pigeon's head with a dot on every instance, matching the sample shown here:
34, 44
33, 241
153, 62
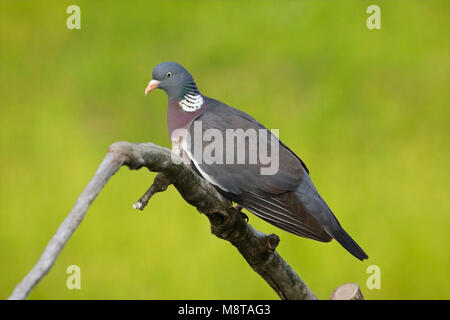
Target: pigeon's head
173, 78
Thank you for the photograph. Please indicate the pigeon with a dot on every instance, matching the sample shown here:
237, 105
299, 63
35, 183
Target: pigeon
285, 198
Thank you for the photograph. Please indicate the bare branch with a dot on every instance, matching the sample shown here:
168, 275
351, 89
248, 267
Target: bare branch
347, 291
160, 184
112, 162
257, 248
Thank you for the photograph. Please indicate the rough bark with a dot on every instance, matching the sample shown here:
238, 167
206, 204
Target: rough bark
258, 249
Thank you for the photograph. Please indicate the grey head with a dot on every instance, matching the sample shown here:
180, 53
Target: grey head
178, 83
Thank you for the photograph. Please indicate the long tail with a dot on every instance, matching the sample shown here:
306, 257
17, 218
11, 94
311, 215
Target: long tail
347, 242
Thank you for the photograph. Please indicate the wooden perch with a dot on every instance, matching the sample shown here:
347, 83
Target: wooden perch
348, 291
227, 223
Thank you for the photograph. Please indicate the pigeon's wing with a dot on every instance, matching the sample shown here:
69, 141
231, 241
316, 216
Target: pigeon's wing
286, 212
270, 197
229, 149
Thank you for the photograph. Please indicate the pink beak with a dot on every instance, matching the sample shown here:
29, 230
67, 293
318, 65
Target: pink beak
151, 85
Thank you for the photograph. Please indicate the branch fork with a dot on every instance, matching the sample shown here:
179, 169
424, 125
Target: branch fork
257, 248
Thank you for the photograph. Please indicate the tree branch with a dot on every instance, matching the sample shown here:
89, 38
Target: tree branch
227, 223
347, 291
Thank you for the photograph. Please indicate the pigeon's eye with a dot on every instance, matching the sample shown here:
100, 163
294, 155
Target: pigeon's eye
169, 74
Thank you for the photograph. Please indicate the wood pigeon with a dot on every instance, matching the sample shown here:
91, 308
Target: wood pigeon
287, 198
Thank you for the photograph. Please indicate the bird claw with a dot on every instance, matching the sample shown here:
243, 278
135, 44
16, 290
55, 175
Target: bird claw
239, 209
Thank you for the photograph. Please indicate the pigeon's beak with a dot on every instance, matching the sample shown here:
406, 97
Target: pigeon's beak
151, 85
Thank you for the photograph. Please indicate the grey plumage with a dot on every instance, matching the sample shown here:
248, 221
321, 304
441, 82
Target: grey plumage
287, 199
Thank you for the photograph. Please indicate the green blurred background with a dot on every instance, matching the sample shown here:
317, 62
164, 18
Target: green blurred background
367, 110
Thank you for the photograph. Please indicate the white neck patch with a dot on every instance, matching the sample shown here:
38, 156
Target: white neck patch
191, 102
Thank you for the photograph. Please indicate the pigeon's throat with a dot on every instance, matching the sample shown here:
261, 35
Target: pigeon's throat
190, 99
178, 118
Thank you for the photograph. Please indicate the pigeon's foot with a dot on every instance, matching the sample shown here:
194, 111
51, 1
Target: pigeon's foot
239, 209
244, 216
